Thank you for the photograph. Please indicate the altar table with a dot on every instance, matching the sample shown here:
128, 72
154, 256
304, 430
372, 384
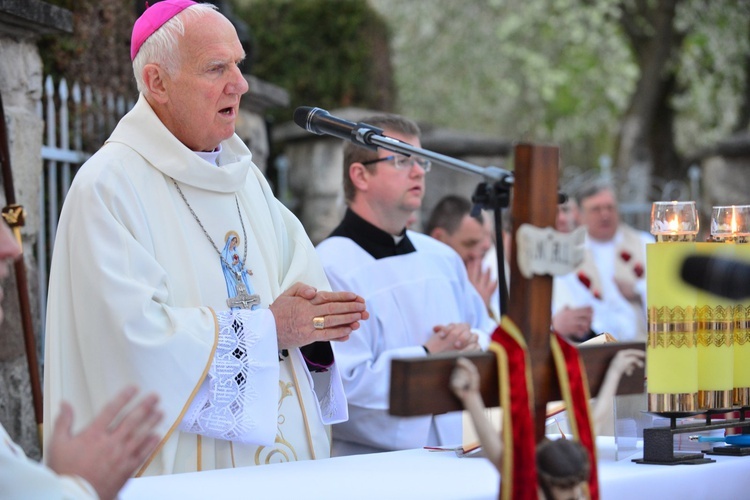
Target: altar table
435, 475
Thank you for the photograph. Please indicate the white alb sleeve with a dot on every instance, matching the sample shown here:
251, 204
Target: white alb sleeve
238, 399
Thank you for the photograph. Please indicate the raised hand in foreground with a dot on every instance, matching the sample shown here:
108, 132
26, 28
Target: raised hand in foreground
111, 448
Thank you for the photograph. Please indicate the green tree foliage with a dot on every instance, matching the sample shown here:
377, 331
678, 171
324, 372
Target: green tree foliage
712, 71
98, 51
326, 53
539, 70
563, 71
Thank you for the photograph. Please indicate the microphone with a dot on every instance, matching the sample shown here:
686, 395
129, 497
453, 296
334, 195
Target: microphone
717, 275
320, 122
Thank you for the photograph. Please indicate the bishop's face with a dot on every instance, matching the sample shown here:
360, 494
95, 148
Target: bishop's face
204, 93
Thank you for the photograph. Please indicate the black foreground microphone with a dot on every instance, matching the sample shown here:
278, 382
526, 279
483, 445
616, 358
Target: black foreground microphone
718, 275
320, 122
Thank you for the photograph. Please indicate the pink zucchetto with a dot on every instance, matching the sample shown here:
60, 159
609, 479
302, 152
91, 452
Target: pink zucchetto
152, 19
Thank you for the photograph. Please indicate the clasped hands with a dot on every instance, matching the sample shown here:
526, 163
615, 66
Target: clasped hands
298, 310
452, 337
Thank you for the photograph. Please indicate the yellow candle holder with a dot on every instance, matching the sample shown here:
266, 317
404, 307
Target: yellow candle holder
715, 317
715, 357
671, 350
742, 340
741, 376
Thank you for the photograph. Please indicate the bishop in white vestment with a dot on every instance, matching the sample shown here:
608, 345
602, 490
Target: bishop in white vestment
138, 296
176, 270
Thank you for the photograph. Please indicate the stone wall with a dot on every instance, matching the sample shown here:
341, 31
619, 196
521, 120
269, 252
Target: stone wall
21, 23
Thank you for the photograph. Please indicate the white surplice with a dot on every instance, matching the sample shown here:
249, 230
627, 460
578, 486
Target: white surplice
406, 296
137, 296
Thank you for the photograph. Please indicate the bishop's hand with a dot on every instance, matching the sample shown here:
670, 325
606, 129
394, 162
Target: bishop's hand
305, 315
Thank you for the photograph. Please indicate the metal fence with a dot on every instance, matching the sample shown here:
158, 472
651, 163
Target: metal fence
77, 121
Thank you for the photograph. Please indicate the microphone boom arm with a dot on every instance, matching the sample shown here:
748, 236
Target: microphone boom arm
489, 173
492, 194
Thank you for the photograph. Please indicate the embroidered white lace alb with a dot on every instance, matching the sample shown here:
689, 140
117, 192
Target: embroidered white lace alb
218, 410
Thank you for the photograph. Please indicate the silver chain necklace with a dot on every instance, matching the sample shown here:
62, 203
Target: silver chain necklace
243, 299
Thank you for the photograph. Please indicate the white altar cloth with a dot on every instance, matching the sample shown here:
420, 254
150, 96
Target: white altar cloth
437, 475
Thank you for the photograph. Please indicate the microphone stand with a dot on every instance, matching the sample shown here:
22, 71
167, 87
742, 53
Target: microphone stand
491, 194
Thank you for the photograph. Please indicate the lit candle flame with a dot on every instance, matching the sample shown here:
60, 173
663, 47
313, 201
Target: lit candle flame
674, 225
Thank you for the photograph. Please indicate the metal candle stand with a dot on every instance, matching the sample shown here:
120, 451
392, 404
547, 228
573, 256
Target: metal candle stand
658, 442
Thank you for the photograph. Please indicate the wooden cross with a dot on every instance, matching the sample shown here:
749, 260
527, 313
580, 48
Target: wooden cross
421, 386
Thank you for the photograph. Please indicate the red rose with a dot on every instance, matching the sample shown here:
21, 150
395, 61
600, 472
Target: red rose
625, 256
584, 279
638, 270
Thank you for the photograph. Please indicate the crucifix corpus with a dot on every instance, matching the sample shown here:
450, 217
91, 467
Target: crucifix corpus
243, 299
421, 386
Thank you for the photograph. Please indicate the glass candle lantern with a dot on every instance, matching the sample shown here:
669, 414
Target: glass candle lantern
674, 221
730, 223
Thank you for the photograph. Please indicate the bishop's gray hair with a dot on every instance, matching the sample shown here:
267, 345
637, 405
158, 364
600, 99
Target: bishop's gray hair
162, 47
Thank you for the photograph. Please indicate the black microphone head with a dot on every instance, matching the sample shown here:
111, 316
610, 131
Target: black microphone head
717, 275
303, 116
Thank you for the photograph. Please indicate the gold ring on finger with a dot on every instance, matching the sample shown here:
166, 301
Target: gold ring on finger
319, 322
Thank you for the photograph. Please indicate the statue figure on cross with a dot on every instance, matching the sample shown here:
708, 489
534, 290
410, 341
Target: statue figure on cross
562, 464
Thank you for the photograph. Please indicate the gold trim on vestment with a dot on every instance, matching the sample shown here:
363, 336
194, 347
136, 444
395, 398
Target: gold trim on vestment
199, 444
664, 403
190, 399
713, 399
304, 413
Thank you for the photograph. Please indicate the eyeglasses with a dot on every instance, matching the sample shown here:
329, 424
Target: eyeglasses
403, 162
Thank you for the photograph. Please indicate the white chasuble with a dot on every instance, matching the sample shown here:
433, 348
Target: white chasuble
138, 296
